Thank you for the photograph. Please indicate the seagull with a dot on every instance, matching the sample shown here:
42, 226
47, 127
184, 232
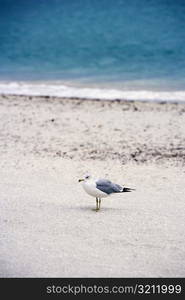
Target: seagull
101, 188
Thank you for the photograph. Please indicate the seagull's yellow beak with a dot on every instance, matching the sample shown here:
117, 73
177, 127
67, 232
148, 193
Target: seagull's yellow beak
79, 180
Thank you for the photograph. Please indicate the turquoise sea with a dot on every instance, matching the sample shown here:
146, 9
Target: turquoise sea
93, 48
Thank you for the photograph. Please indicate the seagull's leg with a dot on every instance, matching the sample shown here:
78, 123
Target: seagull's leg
99, 203
96, 204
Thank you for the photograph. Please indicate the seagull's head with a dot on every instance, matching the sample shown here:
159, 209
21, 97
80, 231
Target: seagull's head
85, 178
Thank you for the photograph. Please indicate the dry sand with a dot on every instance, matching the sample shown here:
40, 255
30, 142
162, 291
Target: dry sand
48, 225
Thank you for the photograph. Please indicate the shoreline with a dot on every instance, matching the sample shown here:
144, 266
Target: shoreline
84, 99
73, 89
117, 100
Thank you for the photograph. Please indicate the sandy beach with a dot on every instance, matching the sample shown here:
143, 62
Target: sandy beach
48, 225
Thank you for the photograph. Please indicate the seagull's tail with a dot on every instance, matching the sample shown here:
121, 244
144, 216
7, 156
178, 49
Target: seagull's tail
125, 189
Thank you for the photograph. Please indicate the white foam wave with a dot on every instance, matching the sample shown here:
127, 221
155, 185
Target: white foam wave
60, 90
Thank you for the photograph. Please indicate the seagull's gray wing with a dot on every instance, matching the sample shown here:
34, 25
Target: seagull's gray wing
108, 187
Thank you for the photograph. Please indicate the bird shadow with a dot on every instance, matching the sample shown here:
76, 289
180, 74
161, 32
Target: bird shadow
93, 209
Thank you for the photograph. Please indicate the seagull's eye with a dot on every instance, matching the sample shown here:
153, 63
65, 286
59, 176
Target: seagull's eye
87, 177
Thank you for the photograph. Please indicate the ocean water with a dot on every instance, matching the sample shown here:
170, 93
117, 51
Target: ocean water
93, 48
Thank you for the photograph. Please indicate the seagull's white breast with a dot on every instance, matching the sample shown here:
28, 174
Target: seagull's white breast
90, 188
